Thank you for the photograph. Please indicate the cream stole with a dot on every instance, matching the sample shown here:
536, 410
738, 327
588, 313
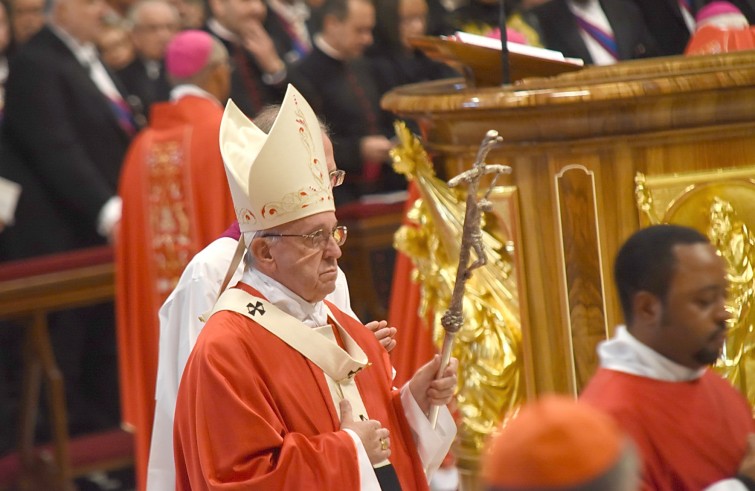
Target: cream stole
318, 345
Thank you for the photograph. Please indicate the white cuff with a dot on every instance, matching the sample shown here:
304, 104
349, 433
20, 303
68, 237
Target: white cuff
110, 214
727, 485
275, 78
9, 193
367, 478
432, 444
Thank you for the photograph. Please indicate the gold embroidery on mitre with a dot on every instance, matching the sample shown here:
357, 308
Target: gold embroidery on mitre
293, 201
308, 195
245, 216
306, 138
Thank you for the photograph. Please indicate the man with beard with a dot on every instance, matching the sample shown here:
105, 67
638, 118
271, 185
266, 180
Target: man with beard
689, 424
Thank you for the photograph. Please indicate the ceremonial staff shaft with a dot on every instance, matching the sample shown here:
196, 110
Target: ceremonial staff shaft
471, 238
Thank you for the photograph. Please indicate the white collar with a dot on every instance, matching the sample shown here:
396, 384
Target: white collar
327, 49
180, 91
221, 31
86, 53
3, 70
624, 353
311, 314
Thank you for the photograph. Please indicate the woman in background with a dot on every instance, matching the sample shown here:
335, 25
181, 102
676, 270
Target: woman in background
395, 61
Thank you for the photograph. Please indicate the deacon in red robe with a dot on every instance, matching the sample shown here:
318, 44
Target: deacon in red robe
175, 202
691, 427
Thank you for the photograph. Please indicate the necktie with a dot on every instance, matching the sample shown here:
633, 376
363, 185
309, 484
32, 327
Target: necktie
603, 38
123, 114
299, 41
101, 78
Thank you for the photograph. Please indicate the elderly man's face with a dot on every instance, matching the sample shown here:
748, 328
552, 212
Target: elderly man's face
4, 29
83, 19
155, 25
28, 17
237, 15
307, 271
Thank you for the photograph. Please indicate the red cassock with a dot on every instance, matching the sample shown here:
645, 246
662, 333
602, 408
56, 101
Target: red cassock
709, 40
254, 414
689, 434
175, 202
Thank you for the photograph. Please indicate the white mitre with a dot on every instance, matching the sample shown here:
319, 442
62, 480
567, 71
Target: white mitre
278, 177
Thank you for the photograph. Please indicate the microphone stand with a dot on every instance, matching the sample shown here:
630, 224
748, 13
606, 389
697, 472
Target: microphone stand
505, 68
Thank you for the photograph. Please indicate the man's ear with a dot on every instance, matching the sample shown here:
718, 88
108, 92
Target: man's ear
263, 258
647, 308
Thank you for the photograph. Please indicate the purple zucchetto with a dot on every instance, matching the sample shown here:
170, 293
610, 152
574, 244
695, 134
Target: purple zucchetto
187, 53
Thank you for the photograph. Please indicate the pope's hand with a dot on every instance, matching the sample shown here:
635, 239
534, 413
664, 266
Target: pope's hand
429, 391
747, 466
374, 437
383, 333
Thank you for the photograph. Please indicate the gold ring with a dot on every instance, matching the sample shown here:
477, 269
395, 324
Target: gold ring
383, 444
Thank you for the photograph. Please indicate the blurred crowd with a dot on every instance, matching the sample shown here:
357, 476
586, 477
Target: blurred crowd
275, 42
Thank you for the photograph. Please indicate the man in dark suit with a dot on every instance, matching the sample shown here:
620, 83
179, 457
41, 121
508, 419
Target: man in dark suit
153, 25
598, 31
70, 126
670, 23
288, 22
65, 115
340, 85
259, 75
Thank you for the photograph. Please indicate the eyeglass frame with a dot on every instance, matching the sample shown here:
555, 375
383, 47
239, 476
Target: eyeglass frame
313, 236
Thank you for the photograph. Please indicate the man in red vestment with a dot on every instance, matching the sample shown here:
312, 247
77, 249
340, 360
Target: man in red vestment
692, 428
283, 390
721, 27
175, 202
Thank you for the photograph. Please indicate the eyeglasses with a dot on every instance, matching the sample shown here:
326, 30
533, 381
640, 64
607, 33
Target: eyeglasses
319, 238
153, 28
336, 178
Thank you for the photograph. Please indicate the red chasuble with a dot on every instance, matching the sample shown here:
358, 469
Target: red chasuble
175, 202
689, 434
254, 414
709, 40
